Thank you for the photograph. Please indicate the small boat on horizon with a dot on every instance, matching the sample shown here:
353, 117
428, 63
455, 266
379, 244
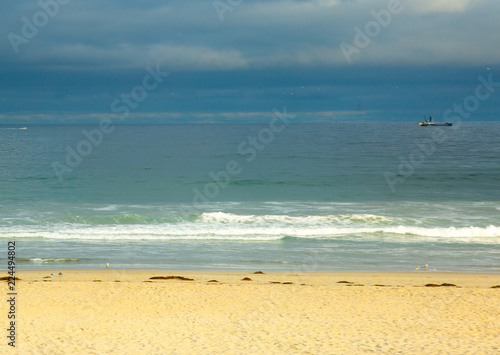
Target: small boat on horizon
431, 122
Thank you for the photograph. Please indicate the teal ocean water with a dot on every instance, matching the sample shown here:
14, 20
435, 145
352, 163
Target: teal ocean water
297, 197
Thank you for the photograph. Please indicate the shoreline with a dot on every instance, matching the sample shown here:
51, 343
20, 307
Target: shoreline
32, 274
219, 271
127, 312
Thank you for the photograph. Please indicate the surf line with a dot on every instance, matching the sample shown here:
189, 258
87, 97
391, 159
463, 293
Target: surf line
249, 149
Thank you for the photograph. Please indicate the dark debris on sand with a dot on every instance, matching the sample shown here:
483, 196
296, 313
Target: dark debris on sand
282, 283
9, 278
171, 278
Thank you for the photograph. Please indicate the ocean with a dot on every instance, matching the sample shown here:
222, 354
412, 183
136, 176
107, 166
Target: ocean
340, 196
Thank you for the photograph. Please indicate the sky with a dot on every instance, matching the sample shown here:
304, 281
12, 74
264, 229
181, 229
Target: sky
152, 61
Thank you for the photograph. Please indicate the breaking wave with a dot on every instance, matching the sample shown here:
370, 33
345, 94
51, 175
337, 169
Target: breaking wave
229, 226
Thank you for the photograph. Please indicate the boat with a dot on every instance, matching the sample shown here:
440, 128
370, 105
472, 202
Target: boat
434, 124
431, 122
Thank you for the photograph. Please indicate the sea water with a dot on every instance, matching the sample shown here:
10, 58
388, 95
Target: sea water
298, 197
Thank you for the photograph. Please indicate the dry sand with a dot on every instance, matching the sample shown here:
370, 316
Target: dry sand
76, 314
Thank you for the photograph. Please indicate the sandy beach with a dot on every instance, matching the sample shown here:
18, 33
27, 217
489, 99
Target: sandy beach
126, 312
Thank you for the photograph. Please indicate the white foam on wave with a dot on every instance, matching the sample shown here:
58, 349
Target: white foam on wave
229, 226
224, 218
448, 232
106, 208
52, 260
265, 229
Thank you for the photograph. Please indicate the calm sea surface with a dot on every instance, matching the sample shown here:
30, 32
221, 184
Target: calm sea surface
317, 197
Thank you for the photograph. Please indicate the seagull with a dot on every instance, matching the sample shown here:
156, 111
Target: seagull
107, 265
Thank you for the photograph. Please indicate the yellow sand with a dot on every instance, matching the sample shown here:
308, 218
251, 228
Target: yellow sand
74, 314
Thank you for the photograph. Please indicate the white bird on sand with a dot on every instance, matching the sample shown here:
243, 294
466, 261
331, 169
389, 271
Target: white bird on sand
107, 265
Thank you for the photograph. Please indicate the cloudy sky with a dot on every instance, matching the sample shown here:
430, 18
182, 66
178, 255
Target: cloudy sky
77, 61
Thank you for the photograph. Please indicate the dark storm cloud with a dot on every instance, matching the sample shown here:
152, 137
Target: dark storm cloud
246, 57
